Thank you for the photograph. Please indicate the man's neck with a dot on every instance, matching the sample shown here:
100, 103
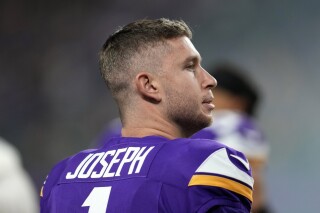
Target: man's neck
154, 124
143, 132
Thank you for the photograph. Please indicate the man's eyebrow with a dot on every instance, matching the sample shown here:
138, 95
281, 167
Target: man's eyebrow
193, 59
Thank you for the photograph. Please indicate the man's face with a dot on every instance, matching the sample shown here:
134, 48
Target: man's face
188, 96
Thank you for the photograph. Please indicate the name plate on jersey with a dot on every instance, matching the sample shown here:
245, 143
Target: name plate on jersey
111, 164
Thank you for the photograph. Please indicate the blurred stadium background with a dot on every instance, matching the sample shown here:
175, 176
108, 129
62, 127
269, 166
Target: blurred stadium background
53, 102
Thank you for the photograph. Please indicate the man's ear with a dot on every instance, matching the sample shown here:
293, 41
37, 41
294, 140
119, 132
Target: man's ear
148, 87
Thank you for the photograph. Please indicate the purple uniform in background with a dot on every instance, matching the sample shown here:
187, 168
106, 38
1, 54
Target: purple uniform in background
150, 174
238, 131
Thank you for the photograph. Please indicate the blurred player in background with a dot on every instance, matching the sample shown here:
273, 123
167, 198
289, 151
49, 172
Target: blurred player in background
17, 192
148, 66
236, 101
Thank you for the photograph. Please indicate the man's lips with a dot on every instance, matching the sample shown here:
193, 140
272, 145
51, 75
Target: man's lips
209, 106
208, 102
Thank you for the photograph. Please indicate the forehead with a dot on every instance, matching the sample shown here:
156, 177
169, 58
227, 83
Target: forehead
181, 48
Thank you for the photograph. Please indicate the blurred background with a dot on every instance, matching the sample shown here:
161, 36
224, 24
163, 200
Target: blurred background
53, 102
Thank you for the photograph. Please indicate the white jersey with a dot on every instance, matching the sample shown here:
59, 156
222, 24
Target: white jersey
17, 193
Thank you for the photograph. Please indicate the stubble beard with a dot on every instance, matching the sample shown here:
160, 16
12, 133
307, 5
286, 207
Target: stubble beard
186, 114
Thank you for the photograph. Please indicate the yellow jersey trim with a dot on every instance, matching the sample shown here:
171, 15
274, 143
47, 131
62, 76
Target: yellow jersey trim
209, 180
41, 192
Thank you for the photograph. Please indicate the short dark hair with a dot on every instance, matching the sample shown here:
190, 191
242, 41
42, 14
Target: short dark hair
116, 56
232, 79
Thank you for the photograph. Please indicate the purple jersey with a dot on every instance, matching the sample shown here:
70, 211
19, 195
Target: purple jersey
150, 174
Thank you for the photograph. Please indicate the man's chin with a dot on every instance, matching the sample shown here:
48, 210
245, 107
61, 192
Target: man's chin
208, 120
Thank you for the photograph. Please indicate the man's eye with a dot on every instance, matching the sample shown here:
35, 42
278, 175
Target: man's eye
191, 68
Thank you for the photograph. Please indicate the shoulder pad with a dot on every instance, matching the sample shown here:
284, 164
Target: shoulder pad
229, 170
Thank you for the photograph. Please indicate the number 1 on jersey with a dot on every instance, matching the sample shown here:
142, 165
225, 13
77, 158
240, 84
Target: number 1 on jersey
98, 200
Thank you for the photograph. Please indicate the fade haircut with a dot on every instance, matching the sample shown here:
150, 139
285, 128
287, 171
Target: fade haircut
133, 47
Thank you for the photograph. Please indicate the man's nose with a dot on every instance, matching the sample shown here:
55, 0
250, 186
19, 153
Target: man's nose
210, 81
